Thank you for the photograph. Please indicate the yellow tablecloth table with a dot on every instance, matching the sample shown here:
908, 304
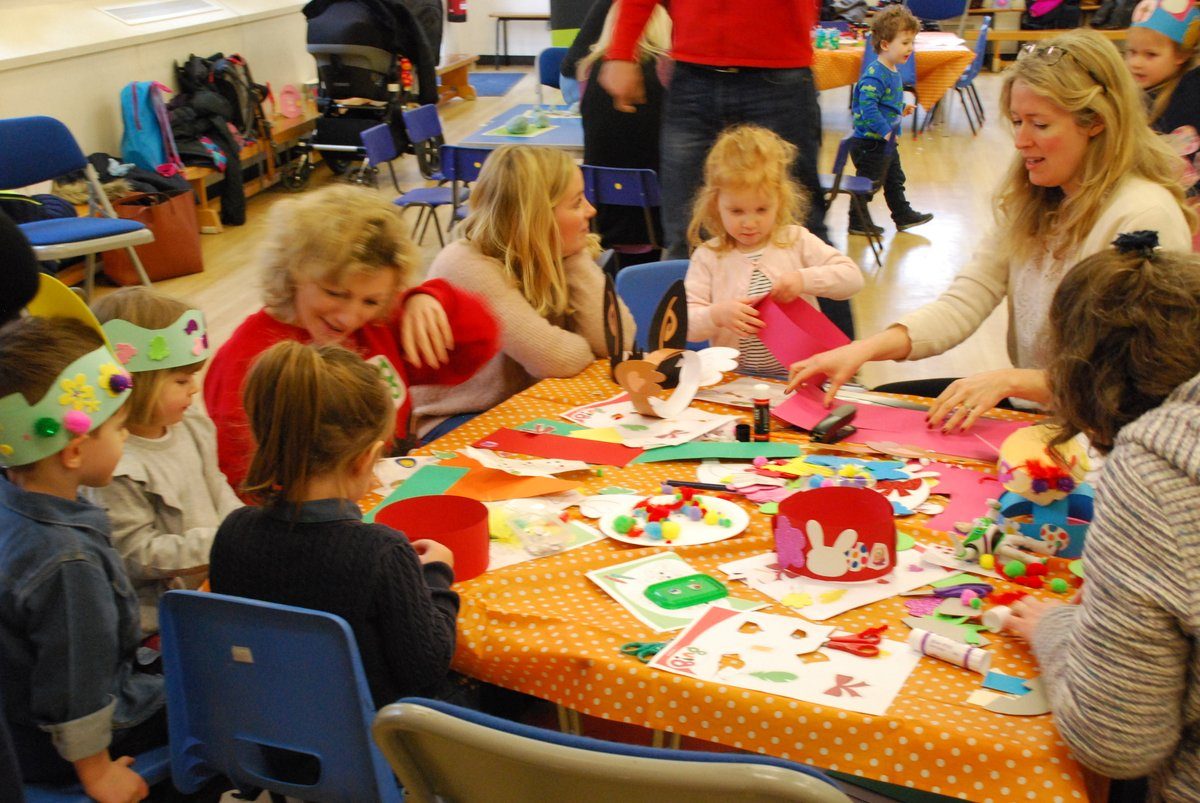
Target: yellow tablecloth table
543, 628
937, 70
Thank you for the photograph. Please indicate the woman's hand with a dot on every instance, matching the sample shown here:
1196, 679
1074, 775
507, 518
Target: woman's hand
1026, 613
961, 404
737, 314
788, 288
839, 364
425, 334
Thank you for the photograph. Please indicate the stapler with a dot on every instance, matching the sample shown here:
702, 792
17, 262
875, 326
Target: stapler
835, 426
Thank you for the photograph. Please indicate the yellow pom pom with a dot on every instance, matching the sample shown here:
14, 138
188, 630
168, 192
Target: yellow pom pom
670, 530
987, 561
711, 518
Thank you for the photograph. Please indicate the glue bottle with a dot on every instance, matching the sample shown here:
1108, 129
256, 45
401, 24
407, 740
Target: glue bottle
762, 412
950, 651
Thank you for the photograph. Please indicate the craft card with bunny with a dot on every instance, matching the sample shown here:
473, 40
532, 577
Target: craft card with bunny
841, 534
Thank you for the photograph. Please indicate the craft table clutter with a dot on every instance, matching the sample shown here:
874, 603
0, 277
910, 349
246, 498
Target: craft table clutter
554, 625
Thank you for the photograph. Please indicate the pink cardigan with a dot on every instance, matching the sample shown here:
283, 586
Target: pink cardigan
714, 276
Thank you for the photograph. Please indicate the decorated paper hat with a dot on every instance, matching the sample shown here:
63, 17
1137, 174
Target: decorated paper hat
1178, 20
184, 342
81, 398
1030, 467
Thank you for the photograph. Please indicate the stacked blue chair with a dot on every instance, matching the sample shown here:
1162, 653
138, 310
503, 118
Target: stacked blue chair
965, 86
37, 149
461, 166
625, 186
860, 189
273, 697
442, 752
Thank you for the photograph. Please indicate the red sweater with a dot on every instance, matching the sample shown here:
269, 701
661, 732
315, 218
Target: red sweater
726, 33
476, 339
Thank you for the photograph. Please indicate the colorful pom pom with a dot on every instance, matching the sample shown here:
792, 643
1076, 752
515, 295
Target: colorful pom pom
1059, 585
623, 524
1014, 569
77, 422
46, 427
119, 383
987, 561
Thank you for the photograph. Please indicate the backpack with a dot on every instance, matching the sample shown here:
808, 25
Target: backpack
147, 140
230, 77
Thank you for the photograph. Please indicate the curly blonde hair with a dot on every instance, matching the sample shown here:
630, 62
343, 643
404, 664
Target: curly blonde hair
747, 157
327, 235
1123, 329
1091, 83
512, 220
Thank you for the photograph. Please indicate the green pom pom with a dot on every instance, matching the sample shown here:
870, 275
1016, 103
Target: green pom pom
623, 524
977, 603
1059, 585
1014, 568
47, 427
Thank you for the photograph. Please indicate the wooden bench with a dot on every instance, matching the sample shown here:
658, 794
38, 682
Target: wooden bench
1038, 36
455, 77
285, 132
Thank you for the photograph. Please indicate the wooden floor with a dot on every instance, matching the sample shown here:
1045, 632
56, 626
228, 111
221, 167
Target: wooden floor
950, 173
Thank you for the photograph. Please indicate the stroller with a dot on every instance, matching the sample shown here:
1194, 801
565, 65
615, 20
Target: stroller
358, 45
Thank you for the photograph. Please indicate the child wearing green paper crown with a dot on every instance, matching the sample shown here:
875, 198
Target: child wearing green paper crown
69, 628
167, 496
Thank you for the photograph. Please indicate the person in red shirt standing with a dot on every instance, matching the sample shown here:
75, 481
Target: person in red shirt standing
338, 268
735, 63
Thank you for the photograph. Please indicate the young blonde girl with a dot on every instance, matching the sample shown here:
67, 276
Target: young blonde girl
167, 495
748, 208
527, 248
321, 417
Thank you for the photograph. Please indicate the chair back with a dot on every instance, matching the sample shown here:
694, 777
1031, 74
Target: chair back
379, 144
937, 9
270, 696
980, 51
463, 164
36, 149
444, 752
643, 286
621, 186
424, 129
549, 62
869, 55
839, 164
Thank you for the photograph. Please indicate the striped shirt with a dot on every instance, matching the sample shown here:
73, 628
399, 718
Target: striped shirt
1122, 670
755, 357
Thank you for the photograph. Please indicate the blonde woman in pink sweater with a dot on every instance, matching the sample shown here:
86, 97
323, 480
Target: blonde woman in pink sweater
749, 206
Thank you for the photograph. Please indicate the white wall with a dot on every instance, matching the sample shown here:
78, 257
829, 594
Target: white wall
477, 34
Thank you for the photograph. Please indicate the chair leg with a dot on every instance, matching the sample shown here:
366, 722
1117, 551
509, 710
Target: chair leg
89, 278
417, 225
978, 102
966, 110
137, 266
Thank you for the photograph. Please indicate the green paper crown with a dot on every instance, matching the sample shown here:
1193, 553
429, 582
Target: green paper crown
184, 342
81, 398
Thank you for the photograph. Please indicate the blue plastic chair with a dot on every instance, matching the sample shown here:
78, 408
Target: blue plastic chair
642, 287
37, 149
442, 752
154, 766
859, 188
272, 697
549, 62
965, 86
624, 186
931, 12
461, 167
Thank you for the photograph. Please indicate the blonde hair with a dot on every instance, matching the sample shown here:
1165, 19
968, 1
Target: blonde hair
312, 411
654, 42
328, 235
1167, 88
747, 157
512, 221
889, 23
1092, 84
150, 310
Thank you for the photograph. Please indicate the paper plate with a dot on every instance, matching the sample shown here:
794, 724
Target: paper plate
691, 532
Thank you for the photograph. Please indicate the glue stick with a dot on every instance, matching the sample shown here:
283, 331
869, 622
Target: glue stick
762, 413
950, 651
994, 619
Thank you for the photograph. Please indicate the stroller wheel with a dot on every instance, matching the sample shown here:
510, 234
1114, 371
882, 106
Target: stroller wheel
338, 164
296, 177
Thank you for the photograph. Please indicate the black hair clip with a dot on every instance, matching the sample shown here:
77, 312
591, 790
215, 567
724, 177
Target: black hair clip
1137, 242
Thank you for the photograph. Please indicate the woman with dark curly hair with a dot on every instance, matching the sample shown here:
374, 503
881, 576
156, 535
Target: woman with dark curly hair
1120, 669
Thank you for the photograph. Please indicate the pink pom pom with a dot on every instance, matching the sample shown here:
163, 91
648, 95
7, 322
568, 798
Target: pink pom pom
967, 596
77, 423
759, 461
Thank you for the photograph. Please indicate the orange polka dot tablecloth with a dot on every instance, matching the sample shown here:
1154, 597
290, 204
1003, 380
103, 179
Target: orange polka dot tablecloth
937, 70
543, 628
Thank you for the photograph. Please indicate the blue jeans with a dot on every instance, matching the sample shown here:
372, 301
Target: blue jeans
702, 102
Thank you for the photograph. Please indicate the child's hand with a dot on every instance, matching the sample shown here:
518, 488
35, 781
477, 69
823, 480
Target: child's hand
425, 332
909, 108
737, 314
433, 552
788, 288
111, 781
1027, 612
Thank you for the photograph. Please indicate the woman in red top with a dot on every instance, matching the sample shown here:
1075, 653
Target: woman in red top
337, 267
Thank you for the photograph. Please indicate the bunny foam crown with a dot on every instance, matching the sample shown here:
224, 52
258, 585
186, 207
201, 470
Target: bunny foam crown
183, 342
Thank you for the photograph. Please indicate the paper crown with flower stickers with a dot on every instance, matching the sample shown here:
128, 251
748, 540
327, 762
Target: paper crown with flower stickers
182, 343
82, 397
1178, 20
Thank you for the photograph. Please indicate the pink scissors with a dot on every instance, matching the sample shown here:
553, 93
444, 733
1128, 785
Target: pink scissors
865, 644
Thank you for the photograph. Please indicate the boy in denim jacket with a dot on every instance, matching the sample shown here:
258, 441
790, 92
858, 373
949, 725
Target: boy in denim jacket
69, 625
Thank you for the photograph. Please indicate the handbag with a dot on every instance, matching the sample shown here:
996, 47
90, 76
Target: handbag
176, 247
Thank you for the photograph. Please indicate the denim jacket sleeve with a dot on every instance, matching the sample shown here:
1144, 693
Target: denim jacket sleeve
74, 625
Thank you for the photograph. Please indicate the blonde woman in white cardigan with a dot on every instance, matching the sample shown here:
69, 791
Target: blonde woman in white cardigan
1087, 168
748, 207
526, 248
